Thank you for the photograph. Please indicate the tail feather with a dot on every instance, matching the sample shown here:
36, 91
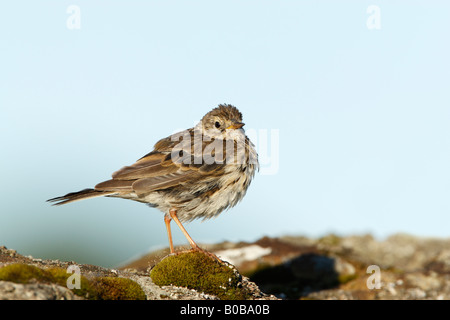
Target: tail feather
80, 195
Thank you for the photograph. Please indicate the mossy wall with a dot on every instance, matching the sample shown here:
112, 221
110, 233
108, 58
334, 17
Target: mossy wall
99, 288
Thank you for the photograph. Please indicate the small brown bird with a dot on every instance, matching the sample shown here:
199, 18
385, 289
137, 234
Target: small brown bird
196, 173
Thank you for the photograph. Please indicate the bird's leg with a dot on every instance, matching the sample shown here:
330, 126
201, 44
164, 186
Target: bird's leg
167, 220
173, 215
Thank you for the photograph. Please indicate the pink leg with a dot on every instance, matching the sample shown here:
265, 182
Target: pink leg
173, 215
167, 220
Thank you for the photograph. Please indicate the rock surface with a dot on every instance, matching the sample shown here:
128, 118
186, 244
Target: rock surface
348, 268
37, 290
34, 291
291, 267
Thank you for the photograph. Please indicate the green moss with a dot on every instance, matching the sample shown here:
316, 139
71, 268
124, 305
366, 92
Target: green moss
87, 289
101, 288
111, 288
196, 270
345, 278
22, 273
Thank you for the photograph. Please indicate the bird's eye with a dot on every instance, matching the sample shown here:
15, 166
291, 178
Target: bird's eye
217, 124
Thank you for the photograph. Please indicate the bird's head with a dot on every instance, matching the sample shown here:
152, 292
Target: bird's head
221, 122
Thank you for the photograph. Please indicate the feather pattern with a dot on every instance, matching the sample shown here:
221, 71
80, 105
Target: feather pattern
200, 171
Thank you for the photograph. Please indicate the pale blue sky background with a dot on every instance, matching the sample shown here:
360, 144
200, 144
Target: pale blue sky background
362, 116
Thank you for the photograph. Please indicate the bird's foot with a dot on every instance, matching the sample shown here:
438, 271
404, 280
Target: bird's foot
205, 252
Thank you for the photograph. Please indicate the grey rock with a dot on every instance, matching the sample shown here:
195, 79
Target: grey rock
34, 291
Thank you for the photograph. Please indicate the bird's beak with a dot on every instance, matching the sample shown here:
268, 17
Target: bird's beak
236, 125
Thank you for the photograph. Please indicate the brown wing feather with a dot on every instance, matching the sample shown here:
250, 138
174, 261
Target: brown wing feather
115, 185
146, 185
158, 170
157, 162
151, 164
